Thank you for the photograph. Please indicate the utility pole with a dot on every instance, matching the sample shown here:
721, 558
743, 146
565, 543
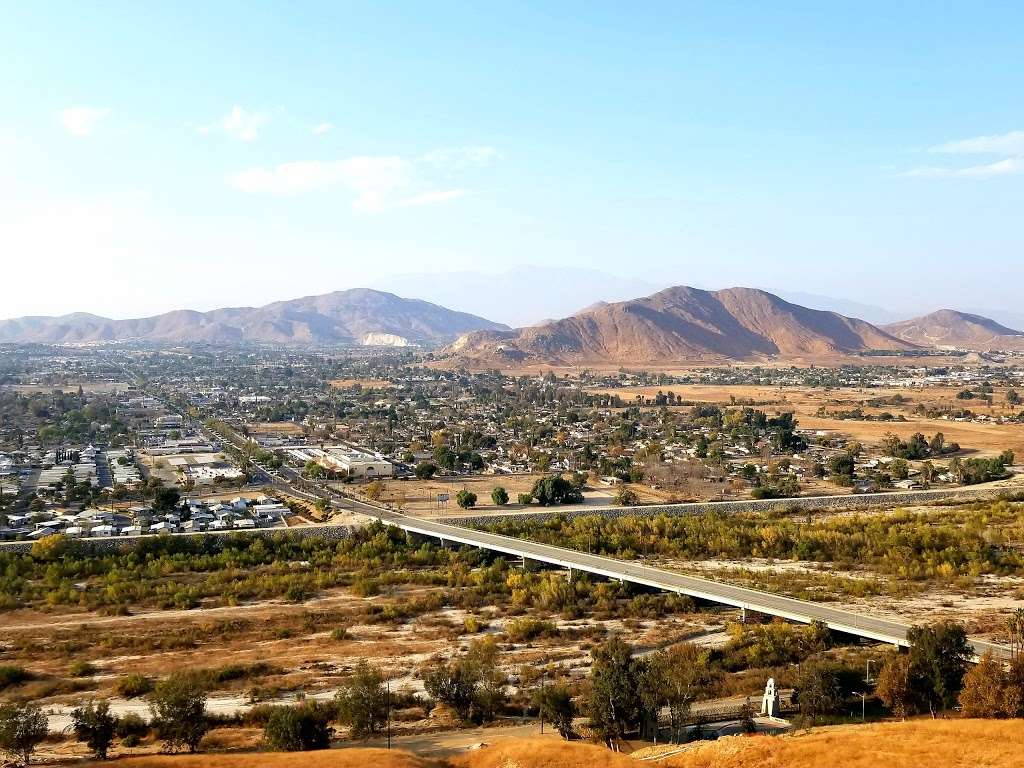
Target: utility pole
388, 708
543, 679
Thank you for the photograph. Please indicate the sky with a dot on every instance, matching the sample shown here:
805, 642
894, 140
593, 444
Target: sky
156, 156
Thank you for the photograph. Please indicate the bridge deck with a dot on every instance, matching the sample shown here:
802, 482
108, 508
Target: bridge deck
789, 608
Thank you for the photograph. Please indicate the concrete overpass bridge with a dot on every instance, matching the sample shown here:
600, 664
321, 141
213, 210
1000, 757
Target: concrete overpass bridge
839, 620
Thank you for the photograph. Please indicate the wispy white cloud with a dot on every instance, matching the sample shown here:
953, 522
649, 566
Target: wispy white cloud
1009, 147
459, 158
376, 183
321, 128
1011, 143
239, 123
80, 121
1008, 167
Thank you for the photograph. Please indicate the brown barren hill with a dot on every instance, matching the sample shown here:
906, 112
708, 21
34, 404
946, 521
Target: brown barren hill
681, 324
961, 330
355, 316
325, 758
915, 744
928, 743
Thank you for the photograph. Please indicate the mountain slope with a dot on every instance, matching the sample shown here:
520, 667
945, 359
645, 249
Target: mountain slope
354, 316
950, 328
682, 324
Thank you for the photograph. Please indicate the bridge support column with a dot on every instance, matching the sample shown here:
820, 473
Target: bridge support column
743, 614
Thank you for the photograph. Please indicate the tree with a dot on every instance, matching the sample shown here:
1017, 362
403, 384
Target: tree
893, 685
465, 499
473, 685
374, 490
899, 469
298, 728
1012, 397
984, 690
938, 660
555, 704
677, 677
93, 724
178, 707
555, 489
626, 497
499, 496
425, 470
165, 499
362, 701
613, 702
817, 689
22, 728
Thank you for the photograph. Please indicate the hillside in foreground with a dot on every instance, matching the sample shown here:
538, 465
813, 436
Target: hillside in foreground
918, 743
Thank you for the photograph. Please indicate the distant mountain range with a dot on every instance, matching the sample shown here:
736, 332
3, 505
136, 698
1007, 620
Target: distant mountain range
675, 325
356, 316
681, 324
949, 328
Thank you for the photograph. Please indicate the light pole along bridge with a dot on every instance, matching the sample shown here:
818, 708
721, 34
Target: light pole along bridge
802, 611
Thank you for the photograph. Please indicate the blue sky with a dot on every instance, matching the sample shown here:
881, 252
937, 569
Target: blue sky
157, 156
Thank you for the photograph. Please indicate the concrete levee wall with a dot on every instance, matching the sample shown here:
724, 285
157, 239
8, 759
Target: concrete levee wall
808, 503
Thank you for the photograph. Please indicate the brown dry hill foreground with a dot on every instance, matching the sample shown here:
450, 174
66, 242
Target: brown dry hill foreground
677, 324
949, 328
914, 744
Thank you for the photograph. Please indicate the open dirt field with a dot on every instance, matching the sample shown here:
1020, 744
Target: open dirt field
420, 496
295, 645
982, 438
283, 428
364, 383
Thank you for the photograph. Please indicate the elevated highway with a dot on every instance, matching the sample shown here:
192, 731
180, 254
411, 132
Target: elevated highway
839, 620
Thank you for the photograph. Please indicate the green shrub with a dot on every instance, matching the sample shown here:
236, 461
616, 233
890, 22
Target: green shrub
11, 675
301, 727
131, 725
528, 628
81, 669
133, 685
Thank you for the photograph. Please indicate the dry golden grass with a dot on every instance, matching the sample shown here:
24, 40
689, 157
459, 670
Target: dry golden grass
364, 383
914, 744
276, 427
982, 438
542, 753
328, 758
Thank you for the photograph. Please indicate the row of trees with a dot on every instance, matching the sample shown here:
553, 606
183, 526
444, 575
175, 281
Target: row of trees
177, 705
